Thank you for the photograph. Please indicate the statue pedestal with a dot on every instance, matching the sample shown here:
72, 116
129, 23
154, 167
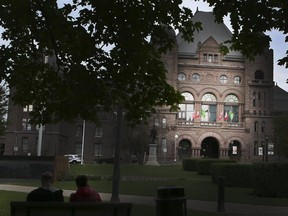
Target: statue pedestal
152, 159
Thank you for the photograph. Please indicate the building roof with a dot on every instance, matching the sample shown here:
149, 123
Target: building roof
280, 99
218, 31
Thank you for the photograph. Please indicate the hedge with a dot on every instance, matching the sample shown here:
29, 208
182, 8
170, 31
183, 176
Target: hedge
189, 164
236, 175
270, 179
204, 165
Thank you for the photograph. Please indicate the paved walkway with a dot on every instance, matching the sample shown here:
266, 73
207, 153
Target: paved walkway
232, 209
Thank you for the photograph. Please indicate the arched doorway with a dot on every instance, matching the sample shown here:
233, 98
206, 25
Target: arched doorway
184, 150
210, 148
234, 150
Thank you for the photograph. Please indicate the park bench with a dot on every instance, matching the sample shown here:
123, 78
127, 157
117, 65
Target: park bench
70, 209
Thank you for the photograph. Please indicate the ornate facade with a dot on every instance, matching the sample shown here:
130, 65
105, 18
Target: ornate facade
228, 104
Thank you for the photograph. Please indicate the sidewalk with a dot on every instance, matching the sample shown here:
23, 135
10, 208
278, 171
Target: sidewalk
231, 208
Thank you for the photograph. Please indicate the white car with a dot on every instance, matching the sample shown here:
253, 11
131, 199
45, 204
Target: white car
73, 158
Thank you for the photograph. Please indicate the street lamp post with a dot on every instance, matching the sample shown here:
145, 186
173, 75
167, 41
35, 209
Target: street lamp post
175, 145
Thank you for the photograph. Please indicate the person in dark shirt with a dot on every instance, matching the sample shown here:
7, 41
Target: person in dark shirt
84, 192
46, 192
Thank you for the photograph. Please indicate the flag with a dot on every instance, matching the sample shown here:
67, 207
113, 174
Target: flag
220, 116
196, 115
203, 113
226, 116
231, 115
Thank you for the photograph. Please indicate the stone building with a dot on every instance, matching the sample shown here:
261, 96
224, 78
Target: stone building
228, 104
227, 111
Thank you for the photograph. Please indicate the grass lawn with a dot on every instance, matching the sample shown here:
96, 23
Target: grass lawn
144, 183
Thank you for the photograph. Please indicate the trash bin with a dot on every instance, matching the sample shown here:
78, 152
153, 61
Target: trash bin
171, 201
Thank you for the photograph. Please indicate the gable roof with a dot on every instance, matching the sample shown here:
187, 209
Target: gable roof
280, 99
218, 31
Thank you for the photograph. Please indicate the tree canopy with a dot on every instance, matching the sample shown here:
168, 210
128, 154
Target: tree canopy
103, 52
103, 55
280, 135
3, 110
250, 19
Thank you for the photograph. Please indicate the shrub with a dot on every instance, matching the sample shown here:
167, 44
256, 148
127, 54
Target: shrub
189, 164
270, 179
204, 165
236, 175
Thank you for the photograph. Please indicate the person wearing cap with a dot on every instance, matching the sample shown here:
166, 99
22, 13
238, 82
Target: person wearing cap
84, 192
46, 192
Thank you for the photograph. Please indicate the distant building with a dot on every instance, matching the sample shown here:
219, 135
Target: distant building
227, 112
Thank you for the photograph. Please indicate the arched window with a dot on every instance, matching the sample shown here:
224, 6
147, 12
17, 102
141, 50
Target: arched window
187, 107
181, 77
223, 79
259, 75
98, 132
195, 77
231, 108
237, 79
208, 108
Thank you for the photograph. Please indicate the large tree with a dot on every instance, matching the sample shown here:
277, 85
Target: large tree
104, 55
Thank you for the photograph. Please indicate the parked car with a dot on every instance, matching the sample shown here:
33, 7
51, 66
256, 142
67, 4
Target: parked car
73, 158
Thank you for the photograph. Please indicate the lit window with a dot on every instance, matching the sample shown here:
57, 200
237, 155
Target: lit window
28, 108
195, 77
237, 79
210, 58
208, 109
181, 77
187, 107
231, 98
231, 109
223, 79
26, 125
164, 122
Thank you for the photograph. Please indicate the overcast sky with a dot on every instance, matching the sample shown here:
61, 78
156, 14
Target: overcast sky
277, 44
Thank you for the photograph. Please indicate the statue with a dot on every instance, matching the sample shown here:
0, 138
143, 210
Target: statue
153, 134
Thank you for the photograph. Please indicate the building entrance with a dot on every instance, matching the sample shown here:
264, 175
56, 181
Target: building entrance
184, 150
210, 148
